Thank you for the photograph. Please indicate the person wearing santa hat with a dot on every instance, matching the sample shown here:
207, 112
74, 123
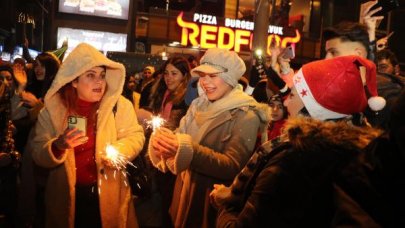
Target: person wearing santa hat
338, 88
314, 174
350, 38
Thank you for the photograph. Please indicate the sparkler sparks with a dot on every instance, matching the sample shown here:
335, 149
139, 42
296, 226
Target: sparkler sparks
156, 122
117, 160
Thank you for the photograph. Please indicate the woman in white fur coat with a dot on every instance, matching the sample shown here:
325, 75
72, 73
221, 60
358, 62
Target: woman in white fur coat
84, 188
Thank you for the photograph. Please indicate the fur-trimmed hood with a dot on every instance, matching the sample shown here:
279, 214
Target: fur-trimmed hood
81, 59
305, 133
118, 128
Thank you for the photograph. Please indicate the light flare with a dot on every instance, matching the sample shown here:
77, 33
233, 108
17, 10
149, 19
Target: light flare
119, 162
116, 159
156, 122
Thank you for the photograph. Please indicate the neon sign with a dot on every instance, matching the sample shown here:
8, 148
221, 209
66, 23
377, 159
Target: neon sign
236, 34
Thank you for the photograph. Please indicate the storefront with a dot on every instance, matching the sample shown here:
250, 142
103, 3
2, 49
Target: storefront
122, 25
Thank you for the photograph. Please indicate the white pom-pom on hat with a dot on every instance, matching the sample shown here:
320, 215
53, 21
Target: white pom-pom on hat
376, 103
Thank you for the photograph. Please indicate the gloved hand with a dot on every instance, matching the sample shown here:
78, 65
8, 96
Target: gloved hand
259, 71
254, 77
273, 76
262, 71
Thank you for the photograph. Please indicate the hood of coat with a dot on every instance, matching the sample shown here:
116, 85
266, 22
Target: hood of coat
308, 134
81, 59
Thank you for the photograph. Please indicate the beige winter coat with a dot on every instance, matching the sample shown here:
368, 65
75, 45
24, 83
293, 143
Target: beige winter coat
225, 145
121, 130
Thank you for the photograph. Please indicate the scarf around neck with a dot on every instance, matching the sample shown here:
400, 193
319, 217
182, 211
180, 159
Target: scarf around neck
205, 111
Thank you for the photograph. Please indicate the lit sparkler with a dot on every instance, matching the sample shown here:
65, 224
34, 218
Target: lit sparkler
117, 160
156, 122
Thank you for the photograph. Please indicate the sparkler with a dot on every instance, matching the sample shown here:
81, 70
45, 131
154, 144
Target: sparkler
116, 159
119, 161
156, 122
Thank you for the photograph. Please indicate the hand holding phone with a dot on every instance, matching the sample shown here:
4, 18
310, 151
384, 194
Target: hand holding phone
72, 136
386, 6
77, 122
258, 56
259, 63
370, 15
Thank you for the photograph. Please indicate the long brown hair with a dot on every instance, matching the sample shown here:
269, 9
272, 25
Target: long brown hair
51, 64
159, 88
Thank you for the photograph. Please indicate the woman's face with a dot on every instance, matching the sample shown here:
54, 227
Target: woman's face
131, 83
6, 77
214, 86
293, 103
173, 77
277, 111
39, 70
90, 86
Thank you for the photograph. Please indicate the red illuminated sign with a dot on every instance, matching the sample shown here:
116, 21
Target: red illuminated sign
210, 35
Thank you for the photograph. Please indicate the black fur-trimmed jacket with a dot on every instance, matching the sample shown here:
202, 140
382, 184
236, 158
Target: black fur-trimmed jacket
316, 175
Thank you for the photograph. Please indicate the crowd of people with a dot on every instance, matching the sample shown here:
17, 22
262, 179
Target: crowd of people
319, 146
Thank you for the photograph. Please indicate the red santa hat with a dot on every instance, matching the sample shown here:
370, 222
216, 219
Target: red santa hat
338, 87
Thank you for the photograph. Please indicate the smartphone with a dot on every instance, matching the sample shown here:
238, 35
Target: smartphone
259, 60
288, 53
387, 6
78, 122
258, 54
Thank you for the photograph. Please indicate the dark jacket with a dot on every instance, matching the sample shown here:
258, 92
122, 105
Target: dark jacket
389, 87
177, 112
318, 176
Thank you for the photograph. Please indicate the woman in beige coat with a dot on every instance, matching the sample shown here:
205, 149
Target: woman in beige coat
84, 188
214, 140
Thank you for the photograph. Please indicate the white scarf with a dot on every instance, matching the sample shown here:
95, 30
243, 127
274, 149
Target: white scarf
202, 112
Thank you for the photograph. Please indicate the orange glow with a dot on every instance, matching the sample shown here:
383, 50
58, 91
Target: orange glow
210, 36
